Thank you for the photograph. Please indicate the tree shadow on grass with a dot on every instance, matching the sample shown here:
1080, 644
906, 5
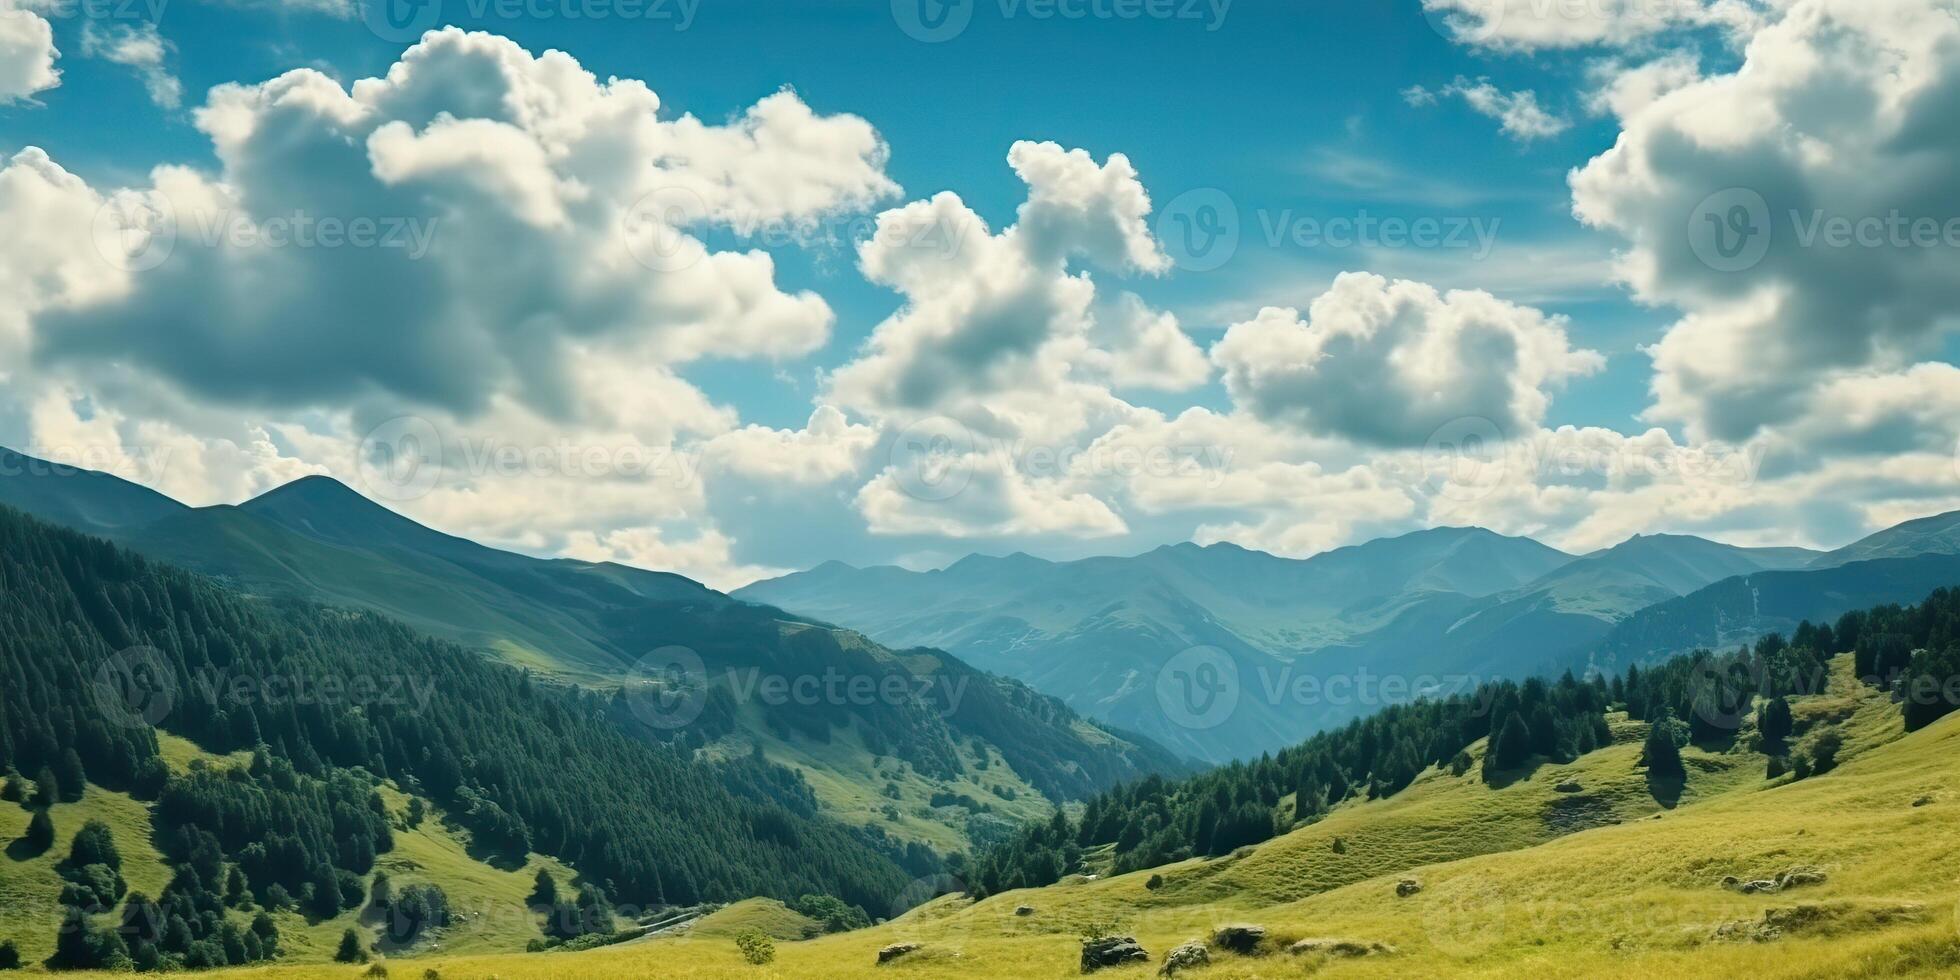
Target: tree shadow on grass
23, 849
1518, 774
1666, 788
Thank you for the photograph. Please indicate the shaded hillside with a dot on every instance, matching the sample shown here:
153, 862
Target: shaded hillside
592, 623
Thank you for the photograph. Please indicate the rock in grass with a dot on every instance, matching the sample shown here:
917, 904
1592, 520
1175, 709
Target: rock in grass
1184, 957
1239, 938
1023, 910
1111, 951
894, 951
1569, 786
1407, 887
1340, 947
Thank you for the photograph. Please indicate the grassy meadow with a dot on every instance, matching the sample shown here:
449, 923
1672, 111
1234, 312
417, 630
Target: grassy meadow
1582, 870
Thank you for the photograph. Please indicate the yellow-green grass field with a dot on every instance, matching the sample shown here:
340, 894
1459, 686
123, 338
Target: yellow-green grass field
1614, 879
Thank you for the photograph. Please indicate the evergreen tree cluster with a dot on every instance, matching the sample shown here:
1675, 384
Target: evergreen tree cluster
1702, 697
1913, 651
1156, 820
524, 765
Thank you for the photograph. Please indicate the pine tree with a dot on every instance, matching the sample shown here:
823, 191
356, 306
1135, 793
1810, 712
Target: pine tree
46, 791
1509, 749
40, 831
1774, 722
71, 777
545, 892
350, 950
1662, 753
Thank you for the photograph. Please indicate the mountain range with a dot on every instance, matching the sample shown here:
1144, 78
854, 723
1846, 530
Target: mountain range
1073, 654
1437, 609
963, 755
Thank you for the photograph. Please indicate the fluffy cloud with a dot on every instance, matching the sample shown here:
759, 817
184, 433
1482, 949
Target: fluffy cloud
139, 48
1524, 25
705, 557
532, 315
1727, 191
514, 226
997, 331
27, 53
995, 499
1519, 113
1391, 363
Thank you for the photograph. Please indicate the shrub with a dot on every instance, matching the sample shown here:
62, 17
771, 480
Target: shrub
9, 955
1155, 882
756, 946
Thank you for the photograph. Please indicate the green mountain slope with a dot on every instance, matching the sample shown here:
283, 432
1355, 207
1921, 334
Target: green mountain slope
1936, 535
1739, 610
936, 752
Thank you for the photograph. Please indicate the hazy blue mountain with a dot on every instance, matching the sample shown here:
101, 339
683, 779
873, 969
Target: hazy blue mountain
1936, 535
1446, 606
78, 498
318, 540
1899, 564
1739, 610
1099, 631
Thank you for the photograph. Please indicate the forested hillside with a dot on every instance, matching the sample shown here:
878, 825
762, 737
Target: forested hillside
1703, 698
97, 643
948, 727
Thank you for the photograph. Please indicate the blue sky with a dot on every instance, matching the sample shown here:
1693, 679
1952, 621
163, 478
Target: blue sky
1272, 103
1468, 115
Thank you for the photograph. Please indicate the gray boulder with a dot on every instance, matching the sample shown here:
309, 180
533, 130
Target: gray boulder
1184, 957
894, 951
1239, 938
1407, 887
1023, 910
1111, 951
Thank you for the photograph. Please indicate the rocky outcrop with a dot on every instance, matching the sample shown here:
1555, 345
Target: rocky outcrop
1111, 951
1340, 947
896, 950
1239, 938
1184, 957
1803, 875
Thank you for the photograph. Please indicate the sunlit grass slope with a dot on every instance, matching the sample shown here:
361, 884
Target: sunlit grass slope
1607, 877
